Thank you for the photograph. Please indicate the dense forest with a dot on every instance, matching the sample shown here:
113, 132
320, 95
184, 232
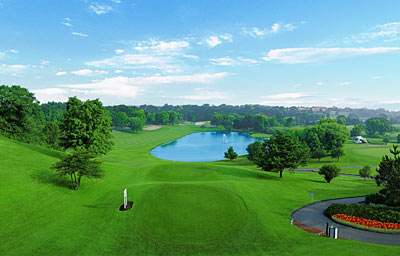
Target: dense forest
23, 118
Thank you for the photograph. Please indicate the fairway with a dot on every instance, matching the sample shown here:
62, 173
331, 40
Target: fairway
189, 214
210, 208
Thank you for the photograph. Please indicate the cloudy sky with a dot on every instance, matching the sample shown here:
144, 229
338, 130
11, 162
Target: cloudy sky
301, 53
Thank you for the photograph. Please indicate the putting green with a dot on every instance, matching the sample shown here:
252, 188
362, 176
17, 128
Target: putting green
189, 214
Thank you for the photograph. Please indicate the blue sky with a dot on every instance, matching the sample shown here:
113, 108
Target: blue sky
286, 53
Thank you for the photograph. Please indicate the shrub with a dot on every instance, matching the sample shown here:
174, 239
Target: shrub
382, 215
365, 172
329, 171
376, 198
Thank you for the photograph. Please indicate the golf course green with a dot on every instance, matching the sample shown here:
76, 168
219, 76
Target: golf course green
206, 208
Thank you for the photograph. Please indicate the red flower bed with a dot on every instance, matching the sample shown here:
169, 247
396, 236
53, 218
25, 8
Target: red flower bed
367, 222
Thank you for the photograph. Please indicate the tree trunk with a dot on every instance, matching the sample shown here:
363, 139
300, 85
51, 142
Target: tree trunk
280, 173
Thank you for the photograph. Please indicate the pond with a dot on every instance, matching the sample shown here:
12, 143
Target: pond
204, 146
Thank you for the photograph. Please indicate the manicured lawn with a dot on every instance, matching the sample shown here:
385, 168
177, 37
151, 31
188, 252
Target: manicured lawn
215, 208
355, 155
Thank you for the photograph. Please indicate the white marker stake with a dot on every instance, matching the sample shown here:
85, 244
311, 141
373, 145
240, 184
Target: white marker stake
312, 196
125, 198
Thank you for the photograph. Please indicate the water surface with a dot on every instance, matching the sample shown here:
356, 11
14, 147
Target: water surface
204, 146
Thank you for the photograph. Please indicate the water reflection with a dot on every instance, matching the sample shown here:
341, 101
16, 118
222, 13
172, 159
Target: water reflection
204, 146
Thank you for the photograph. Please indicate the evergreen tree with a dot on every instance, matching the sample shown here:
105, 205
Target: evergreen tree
231, 154
282, 151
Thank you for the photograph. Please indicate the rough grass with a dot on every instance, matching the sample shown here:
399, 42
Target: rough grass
216, 208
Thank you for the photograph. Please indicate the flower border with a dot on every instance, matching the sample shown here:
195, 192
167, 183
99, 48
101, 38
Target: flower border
352, 224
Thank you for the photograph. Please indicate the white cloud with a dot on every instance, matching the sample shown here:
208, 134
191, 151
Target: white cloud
44, 62
308, 55
119, 51
294, 95
226, 61
13, 51
66, 22
320, 83
274, 29
150, 61
131, 87
51, 94
100, 9
345, 83
117, 1
388, 32
82, 72
213, 41
376, 77
290, 27
168, 48
247, 60
79, 34
89, 72
13, 69
390, 102
2, 54
61, 73
189, 56
118, 71
226, 37
205, 95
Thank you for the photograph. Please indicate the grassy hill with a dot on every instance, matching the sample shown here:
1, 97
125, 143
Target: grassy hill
215, 208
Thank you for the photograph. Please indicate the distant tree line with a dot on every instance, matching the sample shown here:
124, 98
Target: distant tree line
21, 117
289, 150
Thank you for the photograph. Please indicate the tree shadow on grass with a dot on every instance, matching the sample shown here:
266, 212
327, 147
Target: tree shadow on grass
99, 206
316, 181
40, 149
48, 177
241, 173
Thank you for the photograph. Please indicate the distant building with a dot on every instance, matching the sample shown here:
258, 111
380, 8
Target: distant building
359, 140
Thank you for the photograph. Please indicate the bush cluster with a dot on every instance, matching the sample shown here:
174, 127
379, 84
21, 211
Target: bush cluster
385, 197
382, 215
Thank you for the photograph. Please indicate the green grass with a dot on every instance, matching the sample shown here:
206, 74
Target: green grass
355, 155
215, 208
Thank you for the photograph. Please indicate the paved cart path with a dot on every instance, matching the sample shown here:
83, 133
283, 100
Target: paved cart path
312, 215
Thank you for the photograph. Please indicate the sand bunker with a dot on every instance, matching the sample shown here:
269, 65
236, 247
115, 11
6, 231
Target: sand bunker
151, 127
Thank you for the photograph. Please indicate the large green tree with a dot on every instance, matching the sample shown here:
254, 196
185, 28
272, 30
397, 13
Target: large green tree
78, 165
86, 125
135, 124
121, 120
357, 130
377, 126
20, 115
331, 135
255, 151
282, 151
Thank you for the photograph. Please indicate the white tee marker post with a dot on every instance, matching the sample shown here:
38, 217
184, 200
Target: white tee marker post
125, 198
312, 196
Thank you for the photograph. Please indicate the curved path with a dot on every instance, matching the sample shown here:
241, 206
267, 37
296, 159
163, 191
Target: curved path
312, 215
